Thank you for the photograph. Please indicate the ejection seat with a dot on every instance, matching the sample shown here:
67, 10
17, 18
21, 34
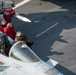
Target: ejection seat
4, 44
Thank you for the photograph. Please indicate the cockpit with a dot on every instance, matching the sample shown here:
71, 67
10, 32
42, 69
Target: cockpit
4, 44
20, 51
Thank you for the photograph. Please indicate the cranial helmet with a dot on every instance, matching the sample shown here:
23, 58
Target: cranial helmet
19, 33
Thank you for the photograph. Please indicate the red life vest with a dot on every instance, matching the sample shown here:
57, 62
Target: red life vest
8, 14
10, 32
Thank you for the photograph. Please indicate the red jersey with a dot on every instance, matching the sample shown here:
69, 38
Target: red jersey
8, 14
10, 32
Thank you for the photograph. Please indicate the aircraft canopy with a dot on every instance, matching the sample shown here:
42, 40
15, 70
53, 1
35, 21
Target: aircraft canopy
22, 52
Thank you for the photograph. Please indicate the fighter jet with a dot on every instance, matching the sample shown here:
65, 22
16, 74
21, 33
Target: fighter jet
21, 60
5, 4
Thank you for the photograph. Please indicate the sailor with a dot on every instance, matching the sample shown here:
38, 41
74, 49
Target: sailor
10, 30
2, 21
6, 9
21, 37
3, 24
7, 14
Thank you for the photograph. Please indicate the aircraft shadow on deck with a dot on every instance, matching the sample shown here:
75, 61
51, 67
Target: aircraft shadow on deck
39, 20
64, 70
33, 28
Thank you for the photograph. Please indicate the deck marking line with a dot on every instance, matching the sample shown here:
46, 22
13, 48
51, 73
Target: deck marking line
65, 17
47, 29
21, 3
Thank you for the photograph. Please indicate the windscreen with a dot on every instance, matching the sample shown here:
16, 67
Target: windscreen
22, 52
